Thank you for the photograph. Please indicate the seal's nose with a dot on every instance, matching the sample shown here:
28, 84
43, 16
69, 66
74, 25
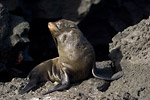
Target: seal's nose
52, 27
49, 24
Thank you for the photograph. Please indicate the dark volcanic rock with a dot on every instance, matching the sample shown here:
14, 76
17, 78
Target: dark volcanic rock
79, 9
99, 20
4, 24
134, 85
104, 18
107, 18
13, 39
72, 9
86, 89
36, 8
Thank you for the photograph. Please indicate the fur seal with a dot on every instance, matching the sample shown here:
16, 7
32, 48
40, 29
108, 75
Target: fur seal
76, 59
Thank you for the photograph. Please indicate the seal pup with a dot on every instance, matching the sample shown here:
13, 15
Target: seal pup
76, 59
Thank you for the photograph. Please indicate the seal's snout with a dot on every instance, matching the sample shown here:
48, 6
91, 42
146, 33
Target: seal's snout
53, 29
50, 25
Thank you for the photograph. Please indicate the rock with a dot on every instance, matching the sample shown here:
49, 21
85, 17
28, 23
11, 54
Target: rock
99, 20
84, 90
4, 32
133, 44
78, 11
108, 17
52, 9
20, 28
31, 9
46, 8
132, 86
4, 24
118, 96
13, 29
104, 19
11, 4
130, 51
13, 38
37, 9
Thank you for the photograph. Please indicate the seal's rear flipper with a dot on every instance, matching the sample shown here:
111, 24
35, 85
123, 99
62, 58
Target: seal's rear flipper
29, 86
63, 84
114, 77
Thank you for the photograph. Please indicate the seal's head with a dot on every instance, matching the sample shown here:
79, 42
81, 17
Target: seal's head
64, 31
61, 26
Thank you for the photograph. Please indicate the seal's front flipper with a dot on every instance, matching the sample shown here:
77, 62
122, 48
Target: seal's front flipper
63, 84
29, 86
58, 87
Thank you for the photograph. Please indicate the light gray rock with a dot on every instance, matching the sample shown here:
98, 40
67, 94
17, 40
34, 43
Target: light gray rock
133, 44
19, 28
131, 51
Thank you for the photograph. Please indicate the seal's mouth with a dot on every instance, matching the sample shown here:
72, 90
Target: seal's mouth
54, 31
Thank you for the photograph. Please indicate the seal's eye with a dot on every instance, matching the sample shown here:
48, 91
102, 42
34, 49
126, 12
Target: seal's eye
58, 26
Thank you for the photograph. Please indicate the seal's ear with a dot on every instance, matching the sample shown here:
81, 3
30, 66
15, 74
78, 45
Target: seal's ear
73, 26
